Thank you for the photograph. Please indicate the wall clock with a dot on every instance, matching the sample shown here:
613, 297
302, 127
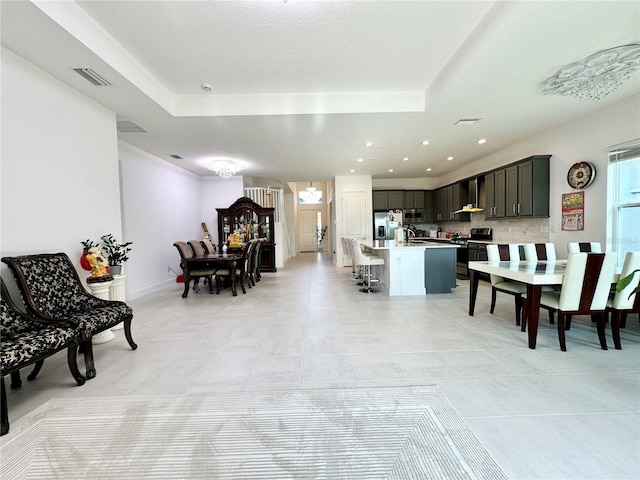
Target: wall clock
581, 174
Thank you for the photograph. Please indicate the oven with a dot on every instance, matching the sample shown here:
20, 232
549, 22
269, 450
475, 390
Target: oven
484, 234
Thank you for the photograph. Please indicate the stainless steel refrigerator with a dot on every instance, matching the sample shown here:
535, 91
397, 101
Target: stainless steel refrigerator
385, 223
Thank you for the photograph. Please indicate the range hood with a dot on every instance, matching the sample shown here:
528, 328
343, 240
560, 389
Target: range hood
473, 195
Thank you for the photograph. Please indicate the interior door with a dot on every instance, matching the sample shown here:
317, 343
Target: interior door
354, 215
308, 230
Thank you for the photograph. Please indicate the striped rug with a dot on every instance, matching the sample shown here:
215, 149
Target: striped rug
364, 433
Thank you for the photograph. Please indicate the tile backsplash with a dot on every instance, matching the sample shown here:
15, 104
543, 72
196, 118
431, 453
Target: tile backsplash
529, 230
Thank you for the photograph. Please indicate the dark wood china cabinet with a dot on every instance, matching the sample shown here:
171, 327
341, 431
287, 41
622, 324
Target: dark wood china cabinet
251, 221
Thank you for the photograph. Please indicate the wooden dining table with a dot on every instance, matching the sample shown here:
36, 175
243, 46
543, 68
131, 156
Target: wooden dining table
212, 260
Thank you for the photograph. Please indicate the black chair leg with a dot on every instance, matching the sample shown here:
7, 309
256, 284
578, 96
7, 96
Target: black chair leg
615, 329
561, 338
5, 411
518, 308
16, 381
37, 367
493, 300
601, 319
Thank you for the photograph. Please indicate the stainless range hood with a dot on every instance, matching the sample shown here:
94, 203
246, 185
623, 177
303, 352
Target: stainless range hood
474, 194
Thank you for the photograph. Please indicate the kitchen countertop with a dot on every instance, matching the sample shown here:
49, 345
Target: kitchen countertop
392, 244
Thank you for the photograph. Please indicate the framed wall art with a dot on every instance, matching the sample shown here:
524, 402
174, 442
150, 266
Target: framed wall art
573, 211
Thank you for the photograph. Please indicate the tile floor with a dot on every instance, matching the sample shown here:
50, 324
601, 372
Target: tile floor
542, 414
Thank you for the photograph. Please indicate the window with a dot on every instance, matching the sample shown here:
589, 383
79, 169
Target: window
624, 195
305, 197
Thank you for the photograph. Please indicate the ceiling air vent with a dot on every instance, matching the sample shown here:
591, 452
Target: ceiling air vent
127, 126
177, 157
468, 121
92, 76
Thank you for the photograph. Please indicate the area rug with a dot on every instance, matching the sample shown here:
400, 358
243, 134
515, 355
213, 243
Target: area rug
365, 433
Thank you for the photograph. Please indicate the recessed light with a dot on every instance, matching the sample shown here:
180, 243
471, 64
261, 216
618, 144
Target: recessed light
426, 142
449, 158
428, 169
368, 144
206, 87
390, 170
481, 141
405, 159
360, 160
352, 171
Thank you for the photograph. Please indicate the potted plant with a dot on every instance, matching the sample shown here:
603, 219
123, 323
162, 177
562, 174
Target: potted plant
115, 252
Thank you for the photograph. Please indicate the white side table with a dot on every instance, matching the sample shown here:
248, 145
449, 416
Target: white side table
116, 292
101, 290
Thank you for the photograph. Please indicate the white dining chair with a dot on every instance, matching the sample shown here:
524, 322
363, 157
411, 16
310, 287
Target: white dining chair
585, 289
539, 251
585, 247
506, 253
625, 301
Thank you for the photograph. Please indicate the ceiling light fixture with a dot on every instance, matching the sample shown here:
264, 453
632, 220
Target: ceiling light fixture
390, 170
426, 142
481, 141
352, 171
597, 75
405, 159
206, 87
360, 160
449, 158
225, 168
428, 169
311, 188
368, 144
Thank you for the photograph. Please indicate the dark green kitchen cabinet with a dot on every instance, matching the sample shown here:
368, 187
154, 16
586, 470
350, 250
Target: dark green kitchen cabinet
388, 199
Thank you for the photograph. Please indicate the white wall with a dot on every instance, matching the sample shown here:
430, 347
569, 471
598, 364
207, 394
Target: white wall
59, 165
161, 206
217, 193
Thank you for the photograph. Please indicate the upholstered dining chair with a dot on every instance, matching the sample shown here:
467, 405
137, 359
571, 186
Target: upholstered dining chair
208, 246
366, 262
585, 290
240, 272
625, 301
586, 247
539, 251
506, 253
254, 262
186, 252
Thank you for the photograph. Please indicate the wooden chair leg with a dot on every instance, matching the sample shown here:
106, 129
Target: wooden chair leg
561, 338
623, 320
5, 411
493, 299
87, 350
518, 303
73, 366
567, 324
551, 320
601, 324
615, 329
16, 381
37, 367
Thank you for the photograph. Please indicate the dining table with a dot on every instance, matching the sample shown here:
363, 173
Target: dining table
212, 260
534, 274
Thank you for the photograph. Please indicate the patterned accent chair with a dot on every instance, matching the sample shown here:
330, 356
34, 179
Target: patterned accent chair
51, 290
27, 341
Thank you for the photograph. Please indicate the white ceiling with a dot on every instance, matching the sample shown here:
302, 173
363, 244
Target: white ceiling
299, 87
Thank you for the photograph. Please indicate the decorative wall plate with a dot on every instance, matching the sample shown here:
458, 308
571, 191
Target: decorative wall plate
581, 174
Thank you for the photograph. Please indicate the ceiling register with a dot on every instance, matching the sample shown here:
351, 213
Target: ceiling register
596, 76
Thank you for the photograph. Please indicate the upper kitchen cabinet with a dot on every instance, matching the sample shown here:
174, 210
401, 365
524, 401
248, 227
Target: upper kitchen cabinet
527, 189
447, 200
414, 199
388, 199
496, 200
519, 190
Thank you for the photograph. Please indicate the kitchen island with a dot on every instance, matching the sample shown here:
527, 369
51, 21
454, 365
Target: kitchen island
415, 268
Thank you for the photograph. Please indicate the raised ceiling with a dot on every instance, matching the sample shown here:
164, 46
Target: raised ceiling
299, 87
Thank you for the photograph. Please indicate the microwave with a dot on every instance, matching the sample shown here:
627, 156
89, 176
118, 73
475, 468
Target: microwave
414, 215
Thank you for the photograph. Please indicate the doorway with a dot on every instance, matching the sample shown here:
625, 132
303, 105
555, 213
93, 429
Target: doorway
311, 225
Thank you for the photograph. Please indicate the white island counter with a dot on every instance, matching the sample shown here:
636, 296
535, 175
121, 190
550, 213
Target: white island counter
415, 268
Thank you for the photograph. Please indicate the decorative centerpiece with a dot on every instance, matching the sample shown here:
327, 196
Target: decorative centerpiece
235, 240
117, 253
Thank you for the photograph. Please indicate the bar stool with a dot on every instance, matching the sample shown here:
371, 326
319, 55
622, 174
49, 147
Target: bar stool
366, 262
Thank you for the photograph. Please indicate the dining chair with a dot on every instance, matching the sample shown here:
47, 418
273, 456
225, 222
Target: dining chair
208, 246
240, 272
585, 247
186, 251
254, 263
585, 290
505, 253
366, 262
625, 301
539, 251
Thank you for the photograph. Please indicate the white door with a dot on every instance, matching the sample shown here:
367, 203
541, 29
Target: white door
308, 230
354, 215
